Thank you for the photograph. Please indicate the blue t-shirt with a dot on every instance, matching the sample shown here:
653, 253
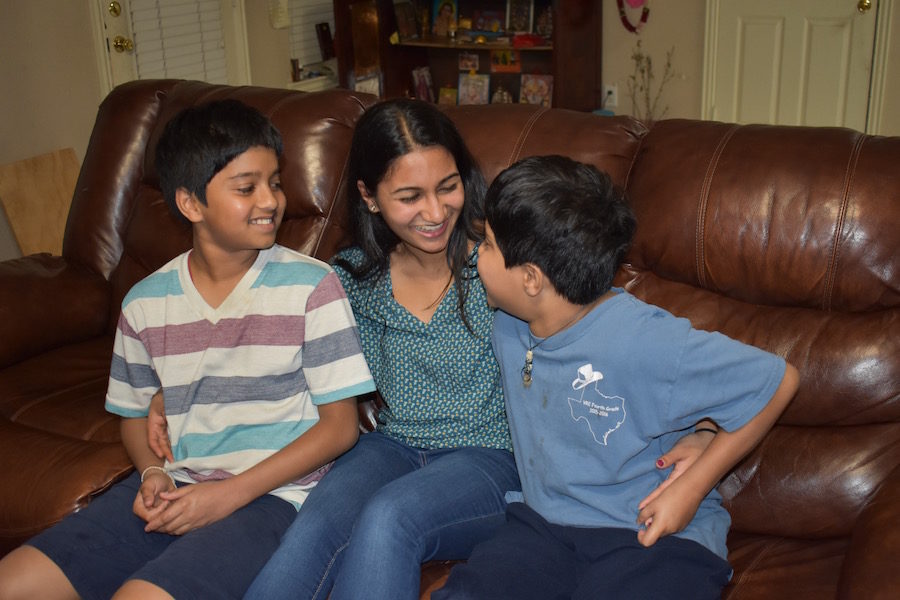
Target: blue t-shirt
439, 380
610, 395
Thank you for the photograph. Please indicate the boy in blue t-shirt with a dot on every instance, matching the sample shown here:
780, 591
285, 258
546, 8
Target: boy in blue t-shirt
598, 384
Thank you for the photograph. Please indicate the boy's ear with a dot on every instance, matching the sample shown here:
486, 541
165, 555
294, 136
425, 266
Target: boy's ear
188, 204
532, 279
367, 196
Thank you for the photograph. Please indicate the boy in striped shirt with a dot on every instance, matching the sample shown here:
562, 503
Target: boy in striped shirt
255, 351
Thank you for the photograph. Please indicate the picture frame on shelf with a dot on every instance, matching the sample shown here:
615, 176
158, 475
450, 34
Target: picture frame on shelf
488, 20
443, 17
369, 84
422, 84
474, 88
536, 89
506, 61
519, 16
447, 95
468, 61
405, 13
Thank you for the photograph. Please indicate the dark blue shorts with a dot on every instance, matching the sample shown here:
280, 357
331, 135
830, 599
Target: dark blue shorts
103, 545
529, 558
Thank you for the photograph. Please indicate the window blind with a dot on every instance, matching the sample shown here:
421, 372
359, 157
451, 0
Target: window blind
179, 39
304, 16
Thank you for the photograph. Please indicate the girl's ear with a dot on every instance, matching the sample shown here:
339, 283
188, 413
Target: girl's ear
532, 279
367, 196
189, 205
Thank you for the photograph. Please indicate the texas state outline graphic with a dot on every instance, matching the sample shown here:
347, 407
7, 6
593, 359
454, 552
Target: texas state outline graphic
606, 416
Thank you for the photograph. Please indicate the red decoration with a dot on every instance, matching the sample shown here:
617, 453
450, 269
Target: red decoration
645, 14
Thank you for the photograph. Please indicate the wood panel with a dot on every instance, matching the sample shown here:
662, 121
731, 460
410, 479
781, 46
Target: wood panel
36, 193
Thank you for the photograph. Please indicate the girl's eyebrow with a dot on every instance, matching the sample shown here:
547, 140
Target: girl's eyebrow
413, 188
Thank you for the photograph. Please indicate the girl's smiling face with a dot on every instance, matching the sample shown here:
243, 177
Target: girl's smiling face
420, 198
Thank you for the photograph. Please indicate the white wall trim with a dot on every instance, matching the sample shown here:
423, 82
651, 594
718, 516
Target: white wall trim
104, 70
875, 113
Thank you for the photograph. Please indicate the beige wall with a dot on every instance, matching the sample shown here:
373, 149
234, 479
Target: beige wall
269, 48
48, 76
682, 24
678, 23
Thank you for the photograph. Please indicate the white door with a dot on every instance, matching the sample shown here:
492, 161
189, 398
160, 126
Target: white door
179, 39
796, 62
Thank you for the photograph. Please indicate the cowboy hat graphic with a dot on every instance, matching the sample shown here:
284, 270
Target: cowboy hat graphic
586, 375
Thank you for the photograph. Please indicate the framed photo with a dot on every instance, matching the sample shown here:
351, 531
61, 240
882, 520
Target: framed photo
370, 84
407, 27
519, 15
474, 88
536, 89
488, 20
468, 61
506, 61
424, 88
443, 16
447, 95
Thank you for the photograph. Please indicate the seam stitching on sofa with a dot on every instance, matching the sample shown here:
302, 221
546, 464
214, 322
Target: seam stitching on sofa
831, 275
523, 135
634, 157
703, 203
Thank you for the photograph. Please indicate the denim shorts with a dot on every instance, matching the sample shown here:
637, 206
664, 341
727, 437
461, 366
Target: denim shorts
104, 545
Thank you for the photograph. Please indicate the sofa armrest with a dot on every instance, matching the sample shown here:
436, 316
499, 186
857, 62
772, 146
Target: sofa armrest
870, 566
46, 302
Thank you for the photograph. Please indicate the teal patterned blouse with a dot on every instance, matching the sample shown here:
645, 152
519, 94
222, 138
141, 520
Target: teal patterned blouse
440, 381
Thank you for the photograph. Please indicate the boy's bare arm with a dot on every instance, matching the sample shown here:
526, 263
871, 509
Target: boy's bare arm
200, 504
675, 507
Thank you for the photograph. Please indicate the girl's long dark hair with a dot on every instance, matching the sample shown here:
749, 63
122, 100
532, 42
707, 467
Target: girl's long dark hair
385, 132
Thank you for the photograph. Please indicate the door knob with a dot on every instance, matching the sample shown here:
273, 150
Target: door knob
122, 44
863, 5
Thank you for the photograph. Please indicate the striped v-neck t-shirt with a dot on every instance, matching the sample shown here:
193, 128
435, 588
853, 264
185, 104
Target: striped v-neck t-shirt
242, 380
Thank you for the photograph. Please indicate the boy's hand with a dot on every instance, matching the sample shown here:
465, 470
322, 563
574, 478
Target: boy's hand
148, 503
683, 454
158, 429
193, 506
669, 513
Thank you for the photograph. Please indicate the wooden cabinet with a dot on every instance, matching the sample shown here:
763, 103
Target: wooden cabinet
573, 57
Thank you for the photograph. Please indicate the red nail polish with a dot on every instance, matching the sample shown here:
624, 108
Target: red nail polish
660, 463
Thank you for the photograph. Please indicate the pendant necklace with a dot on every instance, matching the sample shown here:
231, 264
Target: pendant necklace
529, 354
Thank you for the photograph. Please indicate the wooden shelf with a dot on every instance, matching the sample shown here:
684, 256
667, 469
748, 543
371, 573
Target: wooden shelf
572, 57
434, 42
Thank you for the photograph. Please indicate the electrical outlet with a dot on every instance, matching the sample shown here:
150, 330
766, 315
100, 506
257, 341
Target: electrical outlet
610, 96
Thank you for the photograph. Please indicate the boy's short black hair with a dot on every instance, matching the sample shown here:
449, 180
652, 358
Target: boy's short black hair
566, 217
200, 140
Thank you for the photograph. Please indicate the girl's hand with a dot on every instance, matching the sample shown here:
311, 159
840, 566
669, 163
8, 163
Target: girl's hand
157, 428
193, 506
683, 454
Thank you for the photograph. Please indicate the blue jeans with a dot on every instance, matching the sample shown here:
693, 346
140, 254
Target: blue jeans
382, 510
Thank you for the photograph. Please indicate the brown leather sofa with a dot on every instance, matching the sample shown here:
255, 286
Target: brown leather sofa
784, 237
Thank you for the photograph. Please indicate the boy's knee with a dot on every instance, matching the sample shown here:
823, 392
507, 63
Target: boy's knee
26, 572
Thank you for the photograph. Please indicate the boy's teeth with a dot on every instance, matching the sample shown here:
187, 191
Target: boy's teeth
261, 221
